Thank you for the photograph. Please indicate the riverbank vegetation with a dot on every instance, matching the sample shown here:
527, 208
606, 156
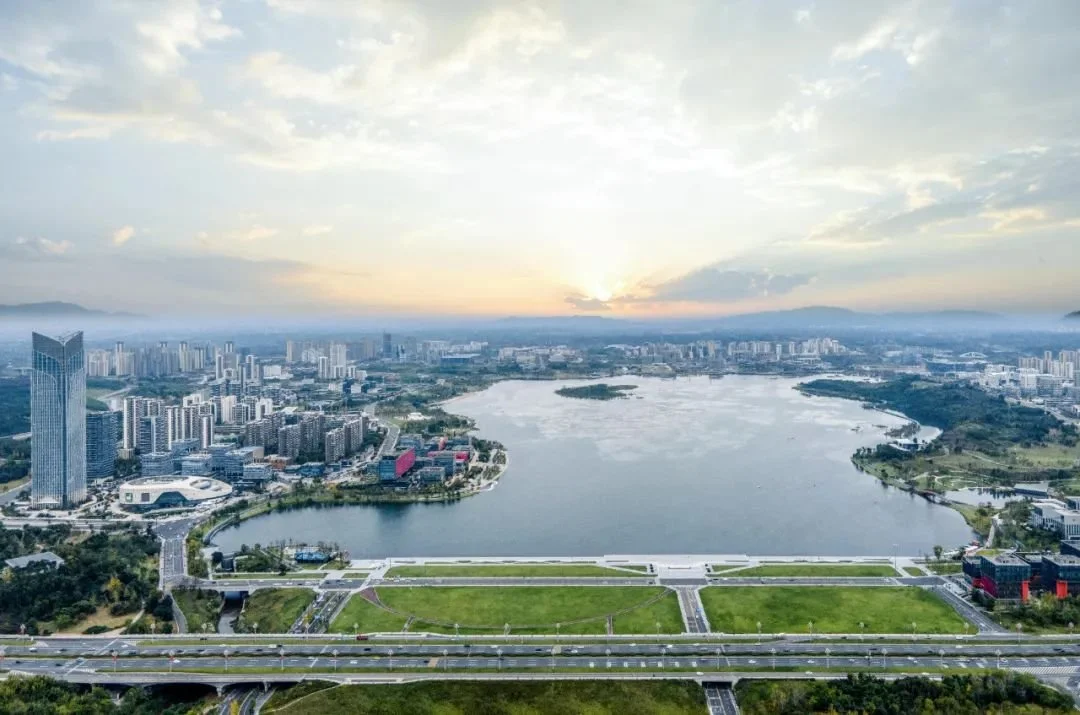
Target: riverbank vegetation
599, 391
495, 698
111, 571
999, 692
1040, 615
273, 610
986, 442
831, 609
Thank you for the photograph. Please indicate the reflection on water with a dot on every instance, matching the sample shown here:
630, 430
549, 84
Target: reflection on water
742, 465
978, 495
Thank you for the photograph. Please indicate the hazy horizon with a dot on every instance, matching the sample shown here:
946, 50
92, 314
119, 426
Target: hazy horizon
484, 159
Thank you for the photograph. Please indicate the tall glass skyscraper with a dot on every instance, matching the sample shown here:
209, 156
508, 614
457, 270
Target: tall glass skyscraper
58, 421
102, 429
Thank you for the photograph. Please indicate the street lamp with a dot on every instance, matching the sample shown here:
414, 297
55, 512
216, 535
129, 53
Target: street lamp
498, 663
658, 631
457, 630
773, 651
334, 653
884, 655
828, 652
558, 627
255, 627
1019, 630
810, 627
281, 658
226, 654
913, 627
446, 659
607, 654
355, 628
553, 657
390, 658
998, 654
1071, 626
113, 654
941, 658
172, 657
759, 632
718, 653
862, 631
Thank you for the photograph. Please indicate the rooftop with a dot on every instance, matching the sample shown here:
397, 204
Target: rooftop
24, 561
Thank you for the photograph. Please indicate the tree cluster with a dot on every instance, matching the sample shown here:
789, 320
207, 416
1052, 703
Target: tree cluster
998, 692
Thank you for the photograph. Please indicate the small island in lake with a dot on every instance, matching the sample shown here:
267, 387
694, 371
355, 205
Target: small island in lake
601, 391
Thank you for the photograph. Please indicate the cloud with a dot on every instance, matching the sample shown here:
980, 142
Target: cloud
719, 284
122, 235
587, 304
41, 246
317, 230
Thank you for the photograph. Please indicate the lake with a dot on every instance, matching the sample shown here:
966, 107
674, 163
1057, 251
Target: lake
739, 465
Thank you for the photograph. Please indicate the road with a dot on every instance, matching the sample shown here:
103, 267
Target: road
968, 611
693, 612
721, 700
173, 566
389, 442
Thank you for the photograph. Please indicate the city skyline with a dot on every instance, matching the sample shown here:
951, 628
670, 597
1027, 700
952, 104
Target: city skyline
494, 158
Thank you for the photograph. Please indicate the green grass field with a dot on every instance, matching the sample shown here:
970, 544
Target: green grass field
788, 609
274, 609
367, 617
507, 570
255, 575
797, 570
198, 607
664, 697
528, 609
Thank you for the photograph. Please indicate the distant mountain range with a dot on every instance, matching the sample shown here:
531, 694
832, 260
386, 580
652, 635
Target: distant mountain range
1073, 316
57, 309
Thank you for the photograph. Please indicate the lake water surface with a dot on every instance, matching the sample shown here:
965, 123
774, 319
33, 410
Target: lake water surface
741, 465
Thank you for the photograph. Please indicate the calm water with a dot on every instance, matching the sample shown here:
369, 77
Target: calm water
739, 465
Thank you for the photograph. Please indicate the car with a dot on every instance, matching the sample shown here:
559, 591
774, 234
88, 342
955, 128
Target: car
361, 637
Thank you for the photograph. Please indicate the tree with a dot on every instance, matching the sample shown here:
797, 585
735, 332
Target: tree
938, 551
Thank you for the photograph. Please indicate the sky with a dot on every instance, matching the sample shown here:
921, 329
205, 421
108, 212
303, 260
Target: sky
473, 157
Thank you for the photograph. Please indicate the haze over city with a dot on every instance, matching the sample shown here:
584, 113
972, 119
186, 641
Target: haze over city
478, 158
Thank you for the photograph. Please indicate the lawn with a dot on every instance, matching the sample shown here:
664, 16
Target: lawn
198, 607
798, 570
666, 697
506, 571
788, 609
274, 609
946, 567
367, 617
913, 571
290, 576
356, 574
528, 609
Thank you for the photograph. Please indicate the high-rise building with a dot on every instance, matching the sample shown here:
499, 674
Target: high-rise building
290, 351
387, 345
101, 429
152, 434
58, 421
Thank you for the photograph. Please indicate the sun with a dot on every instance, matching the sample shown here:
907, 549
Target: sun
601, 293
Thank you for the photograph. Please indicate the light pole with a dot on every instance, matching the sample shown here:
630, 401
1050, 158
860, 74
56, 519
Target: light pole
941, 658
1071, 626
334, 653
113, 654
998, 654
172, 657
226, 654
884, 655
355, 629
828, 652
255, 627
558, 628
894, 548
390, 658
607, 654
281, 658
658, 631
1019, 630
913, 627
967, 627
810, 627
498, 654
446, 659
773, 651
457, 630
553, 658
862, 631
759, 632
718, 653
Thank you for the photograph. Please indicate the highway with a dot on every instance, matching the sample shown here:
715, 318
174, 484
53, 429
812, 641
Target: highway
693, 611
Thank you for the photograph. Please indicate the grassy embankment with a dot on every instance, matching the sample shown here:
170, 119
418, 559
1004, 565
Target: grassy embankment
505, 698
274, 610
527, 609
507, 571
790, 609
809, 570
200, 608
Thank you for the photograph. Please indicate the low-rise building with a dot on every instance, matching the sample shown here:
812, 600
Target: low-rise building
148, 493
45, 557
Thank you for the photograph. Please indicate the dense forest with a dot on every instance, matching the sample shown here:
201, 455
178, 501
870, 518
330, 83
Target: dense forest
37, 695
968, 417
113, 570
1000, 692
